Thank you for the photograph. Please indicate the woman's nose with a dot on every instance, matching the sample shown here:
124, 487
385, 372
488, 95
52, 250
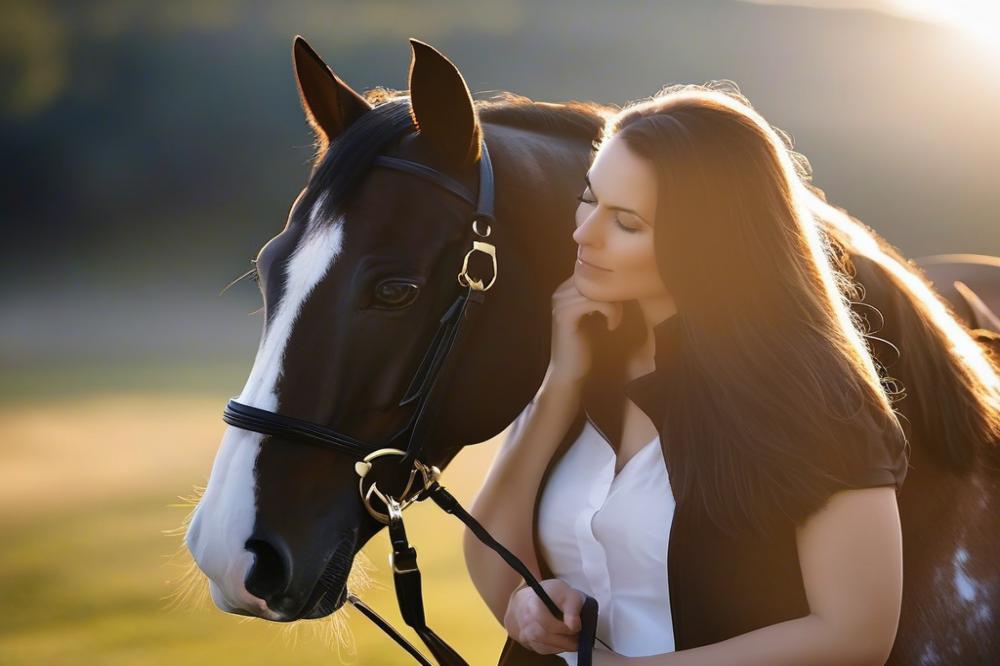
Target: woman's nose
588, 232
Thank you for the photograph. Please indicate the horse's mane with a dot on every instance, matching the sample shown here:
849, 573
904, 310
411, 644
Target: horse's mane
338, 170
573, 119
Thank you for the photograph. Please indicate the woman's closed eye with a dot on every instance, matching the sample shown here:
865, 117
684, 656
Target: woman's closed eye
625, 227
591, 202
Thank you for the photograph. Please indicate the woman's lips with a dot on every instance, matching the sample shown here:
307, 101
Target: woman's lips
586, 264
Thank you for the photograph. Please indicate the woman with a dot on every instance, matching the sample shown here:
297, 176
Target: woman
718, 467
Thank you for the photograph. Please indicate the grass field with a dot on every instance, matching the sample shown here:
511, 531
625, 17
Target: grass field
91, 559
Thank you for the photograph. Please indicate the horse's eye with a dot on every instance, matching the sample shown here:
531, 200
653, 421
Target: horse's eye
394, 293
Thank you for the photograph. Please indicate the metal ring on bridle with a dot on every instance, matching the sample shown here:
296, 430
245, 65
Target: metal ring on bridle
475, 228
429, 474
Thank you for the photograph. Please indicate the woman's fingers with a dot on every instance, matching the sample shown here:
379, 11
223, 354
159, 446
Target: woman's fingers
531, 624
568, 599
545, 642
550, 624
612, 311
571, 610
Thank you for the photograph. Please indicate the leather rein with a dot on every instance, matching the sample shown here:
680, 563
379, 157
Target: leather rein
403, 558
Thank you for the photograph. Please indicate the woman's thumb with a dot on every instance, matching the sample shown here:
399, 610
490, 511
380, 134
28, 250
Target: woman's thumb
572, 621
571, 611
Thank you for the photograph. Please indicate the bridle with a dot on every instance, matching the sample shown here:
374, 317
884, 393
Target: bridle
427, 377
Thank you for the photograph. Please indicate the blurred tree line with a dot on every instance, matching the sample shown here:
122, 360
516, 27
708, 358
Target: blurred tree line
156, 141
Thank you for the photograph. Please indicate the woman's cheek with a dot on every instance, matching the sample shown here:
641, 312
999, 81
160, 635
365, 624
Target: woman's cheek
640, 263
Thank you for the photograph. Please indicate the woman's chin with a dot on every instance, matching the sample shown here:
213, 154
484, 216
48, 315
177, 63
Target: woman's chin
586, 286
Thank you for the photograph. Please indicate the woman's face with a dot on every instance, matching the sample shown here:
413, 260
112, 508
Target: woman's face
616, 260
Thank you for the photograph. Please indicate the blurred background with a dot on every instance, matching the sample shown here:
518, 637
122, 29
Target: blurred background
150, 149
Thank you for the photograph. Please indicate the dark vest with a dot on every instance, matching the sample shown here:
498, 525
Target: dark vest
720, 585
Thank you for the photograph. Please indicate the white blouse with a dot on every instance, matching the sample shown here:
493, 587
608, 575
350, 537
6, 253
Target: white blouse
606, 535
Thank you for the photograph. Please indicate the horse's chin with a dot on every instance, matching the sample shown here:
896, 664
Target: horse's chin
330, 592
326, 604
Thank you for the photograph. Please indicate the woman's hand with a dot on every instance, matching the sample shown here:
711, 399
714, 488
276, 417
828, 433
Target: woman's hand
571, 353
529, 622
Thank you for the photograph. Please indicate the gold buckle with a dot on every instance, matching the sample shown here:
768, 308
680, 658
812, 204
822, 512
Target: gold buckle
392, 562
485, 248
429, 474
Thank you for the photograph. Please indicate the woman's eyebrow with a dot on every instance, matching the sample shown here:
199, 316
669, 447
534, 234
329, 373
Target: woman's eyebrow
586, 178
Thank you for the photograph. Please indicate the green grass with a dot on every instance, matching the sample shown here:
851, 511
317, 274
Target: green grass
40, 383
86, 574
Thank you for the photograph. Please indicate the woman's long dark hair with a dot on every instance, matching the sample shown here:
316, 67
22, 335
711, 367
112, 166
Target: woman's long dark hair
776, 400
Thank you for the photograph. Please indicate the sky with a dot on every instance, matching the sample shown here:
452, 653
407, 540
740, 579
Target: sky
980, 18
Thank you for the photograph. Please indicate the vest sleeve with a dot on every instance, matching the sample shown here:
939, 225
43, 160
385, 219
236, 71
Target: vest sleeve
874, 458
878, 464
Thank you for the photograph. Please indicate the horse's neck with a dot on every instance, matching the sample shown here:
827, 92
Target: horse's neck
538, 179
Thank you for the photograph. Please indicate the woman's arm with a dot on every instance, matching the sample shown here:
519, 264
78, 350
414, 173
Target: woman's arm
851, 557
505, 503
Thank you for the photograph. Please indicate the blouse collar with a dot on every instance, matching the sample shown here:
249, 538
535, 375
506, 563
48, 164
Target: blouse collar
649, 391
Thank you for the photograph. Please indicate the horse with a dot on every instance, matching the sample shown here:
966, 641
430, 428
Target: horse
354, 287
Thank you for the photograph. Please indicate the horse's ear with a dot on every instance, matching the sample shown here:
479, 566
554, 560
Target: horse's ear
442, 105
330, 104
981, 314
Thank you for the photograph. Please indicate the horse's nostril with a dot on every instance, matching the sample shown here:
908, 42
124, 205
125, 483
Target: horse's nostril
269, 575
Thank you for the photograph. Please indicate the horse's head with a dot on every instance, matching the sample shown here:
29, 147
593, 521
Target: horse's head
354, 289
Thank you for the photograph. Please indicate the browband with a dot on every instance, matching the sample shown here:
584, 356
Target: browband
484, 206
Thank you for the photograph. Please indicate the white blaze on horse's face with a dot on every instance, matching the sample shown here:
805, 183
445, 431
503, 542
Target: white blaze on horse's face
224, 518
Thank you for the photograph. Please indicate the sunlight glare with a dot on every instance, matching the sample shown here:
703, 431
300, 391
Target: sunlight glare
980, 18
